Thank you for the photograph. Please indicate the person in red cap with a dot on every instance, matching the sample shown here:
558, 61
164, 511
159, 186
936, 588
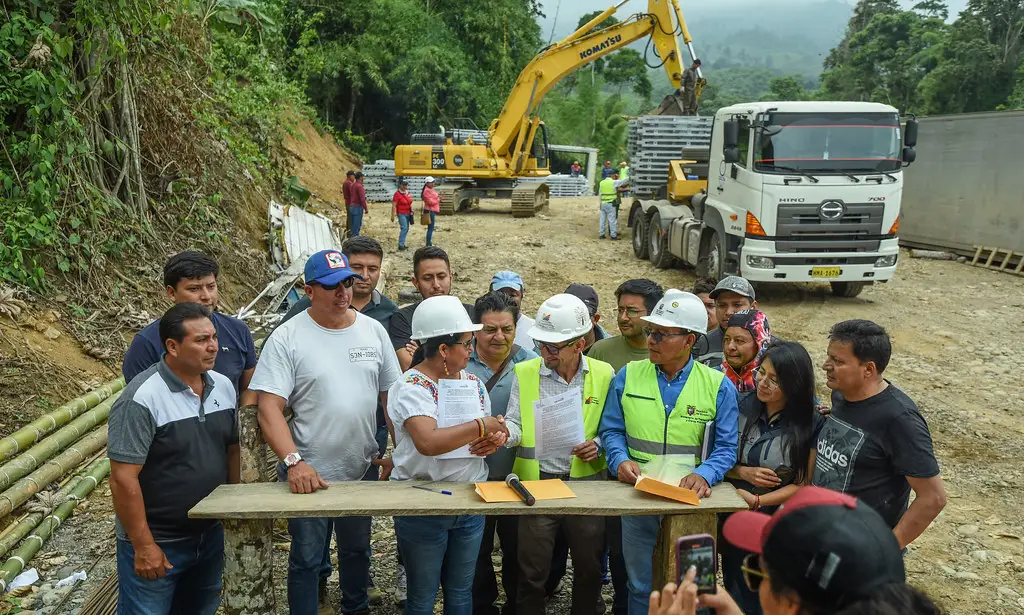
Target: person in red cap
821, 552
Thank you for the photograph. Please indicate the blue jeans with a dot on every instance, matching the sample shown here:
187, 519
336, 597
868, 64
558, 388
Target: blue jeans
192, 586
608, 219
639, 535
356, 215
403, 228
440, 551
305, 562
430, 228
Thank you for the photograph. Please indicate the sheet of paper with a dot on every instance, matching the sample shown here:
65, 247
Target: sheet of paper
558, 424
665, 490
551, 489
458, 401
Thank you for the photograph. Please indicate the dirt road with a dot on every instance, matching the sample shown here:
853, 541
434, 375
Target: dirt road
956, 331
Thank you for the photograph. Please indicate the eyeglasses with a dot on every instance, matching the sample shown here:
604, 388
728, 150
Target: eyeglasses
468, 344
632, 312
659, 336
553, 348
760, 376
751, 568
347, 283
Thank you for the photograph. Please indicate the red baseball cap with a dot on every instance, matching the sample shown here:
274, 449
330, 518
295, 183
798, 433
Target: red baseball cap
828, 546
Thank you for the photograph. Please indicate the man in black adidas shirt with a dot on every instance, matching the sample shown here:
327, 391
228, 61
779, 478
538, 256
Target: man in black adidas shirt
875, 444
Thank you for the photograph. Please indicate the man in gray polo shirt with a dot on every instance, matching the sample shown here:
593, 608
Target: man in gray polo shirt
173, 438
330, 364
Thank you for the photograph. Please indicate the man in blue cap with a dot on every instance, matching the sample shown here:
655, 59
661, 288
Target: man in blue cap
330, 364
510, 283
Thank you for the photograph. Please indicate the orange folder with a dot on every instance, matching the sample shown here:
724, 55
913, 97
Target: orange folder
552, 489
665, 490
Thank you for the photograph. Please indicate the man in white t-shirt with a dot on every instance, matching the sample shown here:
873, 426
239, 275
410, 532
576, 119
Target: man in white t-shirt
330, 364
510, 283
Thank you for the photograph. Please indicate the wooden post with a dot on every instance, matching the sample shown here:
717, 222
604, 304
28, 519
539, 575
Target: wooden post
249, 545
248, 567
672, 528
252, 445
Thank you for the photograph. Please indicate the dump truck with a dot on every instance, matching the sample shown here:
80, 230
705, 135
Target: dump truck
789, 191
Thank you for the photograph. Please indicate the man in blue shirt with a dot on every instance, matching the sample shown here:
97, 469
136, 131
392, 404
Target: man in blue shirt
191, 277
636, 426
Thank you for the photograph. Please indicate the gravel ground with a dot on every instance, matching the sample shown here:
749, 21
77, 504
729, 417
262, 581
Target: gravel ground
953, 342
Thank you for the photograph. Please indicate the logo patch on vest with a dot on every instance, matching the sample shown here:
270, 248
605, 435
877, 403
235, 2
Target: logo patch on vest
591, 400
691, 410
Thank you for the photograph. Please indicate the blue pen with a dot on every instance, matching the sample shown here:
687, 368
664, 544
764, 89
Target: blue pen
425, 488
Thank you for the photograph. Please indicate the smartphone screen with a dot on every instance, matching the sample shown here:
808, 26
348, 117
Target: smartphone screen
699, 552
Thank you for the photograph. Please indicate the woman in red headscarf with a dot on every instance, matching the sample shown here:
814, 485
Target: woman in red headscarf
747, 336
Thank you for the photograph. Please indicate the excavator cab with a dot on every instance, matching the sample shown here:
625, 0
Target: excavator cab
540, 151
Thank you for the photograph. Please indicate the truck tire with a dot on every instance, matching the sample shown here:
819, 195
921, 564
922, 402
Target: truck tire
710, 258
640, 247
847, 289
657, 241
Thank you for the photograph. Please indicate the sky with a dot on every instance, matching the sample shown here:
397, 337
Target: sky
569, 11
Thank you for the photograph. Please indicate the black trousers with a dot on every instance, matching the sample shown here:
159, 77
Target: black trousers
485, 582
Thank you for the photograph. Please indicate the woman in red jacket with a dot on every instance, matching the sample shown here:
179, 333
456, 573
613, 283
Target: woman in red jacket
402, 207
431, 205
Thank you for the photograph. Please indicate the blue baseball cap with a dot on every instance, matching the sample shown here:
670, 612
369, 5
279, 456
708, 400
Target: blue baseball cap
507, 279
328, 267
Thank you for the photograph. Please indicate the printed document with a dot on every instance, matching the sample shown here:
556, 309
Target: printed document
458, 401
558, 424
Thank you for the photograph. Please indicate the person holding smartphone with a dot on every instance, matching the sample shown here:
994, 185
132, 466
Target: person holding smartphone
776, 454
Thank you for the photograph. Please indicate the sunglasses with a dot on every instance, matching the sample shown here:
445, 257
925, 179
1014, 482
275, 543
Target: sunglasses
659, 336
553, 348
752, 574
347, 283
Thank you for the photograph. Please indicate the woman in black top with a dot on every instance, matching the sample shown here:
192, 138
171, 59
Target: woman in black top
776, 446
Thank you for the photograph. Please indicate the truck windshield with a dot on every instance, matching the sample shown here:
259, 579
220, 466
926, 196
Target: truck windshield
824, 142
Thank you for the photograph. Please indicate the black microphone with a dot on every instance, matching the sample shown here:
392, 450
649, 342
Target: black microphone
513, 481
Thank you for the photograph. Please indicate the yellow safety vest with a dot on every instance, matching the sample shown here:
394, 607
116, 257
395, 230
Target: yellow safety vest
608, 192
596, 383
623, 173
650, 431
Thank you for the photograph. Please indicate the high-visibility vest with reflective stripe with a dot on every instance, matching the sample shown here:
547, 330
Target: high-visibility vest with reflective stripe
650, 431
595, 389
608, 192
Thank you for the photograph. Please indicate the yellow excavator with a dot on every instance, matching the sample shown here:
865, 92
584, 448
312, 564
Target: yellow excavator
516, 145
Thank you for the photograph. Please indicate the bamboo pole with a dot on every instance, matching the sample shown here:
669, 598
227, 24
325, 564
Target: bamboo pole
31, 433
73, 456
31, 545
50, 446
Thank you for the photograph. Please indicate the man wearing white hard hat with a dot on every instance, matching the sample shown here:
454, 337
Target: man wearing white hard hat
662, 406
559, 333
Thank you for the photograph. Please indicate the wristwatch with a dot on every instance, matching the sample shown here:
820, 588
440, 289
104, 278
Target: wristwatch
291, 459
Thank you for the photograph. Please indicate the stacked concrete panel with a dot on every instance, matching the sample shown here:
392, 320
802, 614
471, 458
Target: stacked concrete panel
380, 182
563, 186
654, 140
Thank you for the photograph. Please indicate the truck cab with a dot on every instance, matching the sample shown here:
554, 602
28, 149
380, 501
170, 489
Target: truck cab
787, 192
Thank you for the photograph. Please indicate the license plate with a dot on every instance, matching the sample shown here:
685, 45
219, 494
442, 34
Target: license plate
826, 272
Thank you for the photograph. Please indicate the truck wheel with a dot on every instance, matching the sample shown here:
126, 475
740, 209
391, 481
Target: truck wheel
847, 289
657, 240
640, 236
710, 263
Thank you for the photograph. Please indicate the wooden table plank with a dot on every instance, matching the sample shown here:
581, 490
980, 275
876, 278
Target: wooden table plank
387, 498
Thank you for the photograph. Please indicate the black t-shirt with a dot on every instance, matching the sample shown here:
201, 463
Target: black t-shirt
868, 448
400, 325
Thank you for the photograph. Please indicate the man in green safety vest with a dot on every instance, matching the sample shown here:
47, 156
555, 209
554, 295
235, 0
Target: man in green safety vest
580, 385
662, 406
609, 190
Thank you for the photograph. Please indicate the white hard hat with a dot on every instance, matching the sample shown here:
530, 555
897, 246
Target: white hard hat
561, 318
443, 315
679, 309
428, 180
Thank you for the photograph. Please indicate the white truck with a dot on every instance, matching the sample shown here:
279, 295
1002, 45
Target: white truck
787, 192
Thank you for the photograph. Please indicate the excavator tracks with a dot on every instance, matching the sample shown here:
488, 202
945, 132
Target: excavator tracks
528, 199
450, 196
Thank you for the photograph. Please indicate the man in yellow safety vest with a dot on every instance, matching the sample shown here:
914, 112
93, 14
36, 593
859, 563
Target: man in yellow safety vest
561, 371
609, 190
662, 406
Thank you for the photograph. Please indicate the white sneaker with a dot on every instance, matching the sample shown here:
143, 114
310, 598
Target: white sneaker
401, 586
